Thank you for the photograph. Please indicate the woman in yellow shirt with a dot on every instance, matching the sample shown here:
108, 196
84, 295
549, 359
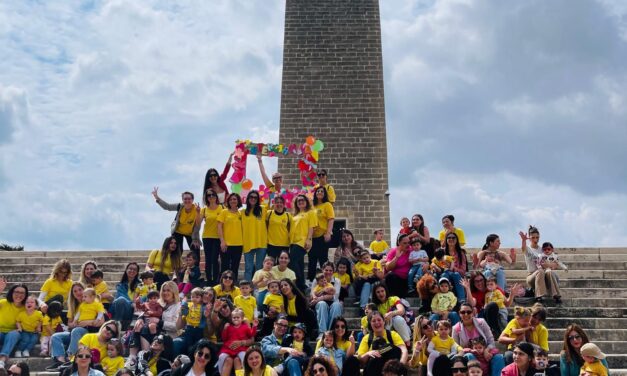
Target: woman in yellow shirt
279, 222
162, 262
57, 286
87, 269
301, 233
210, 238
255, 232
230, 234
319, 253
10, 307
297, 308
227, 287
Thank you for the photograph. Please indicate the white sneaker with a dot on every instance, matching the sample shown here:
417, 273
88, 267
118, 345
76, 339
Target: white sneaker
26, 354
1, 363
18, 354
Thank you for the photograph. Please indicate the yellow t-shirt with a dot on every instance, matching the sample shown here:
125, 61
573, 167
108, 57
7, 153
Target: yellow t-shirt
513, 324
254, 230
298, 345
30, 322
444, 263
112, 365
299, 230
364, 323
444, 346
268, 371
276, 301
379, 246
291, 307
367, 270
154, 259
233, 293
90, 340
49, 325
194, 314
597, 368
364, 348
460, 236
278, 233
102, 288
495, 296
259, 275
539, 336
340, 345
89, 311
142, 290
443, 301
388, 304
330, 192
211, 221
53, 287
319, 288
231, 227
247, 304
187, 221
324, 212
344, 279
279, 275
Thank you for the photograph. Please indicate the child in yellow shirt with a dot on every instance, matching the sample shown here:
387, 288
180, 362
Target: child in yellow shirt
344, 275
321, 289
592, 365
441, 344
245, 301
367, 272
494, 295
273, 302
29, 325
52, 319
441, 262
102, 290
114, 361
148, 284
89, 311
379, 247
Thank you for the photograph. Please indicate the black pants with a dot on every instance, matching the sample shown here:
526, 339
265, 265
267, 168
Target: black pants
275, 250
160, 279
374, 366
188, 238
318, 255
397, 286
297, 264
231, 259
212, 266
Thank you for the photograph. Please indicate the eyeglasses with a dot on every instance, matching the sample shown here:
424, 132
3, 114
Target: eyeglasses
202, 354
111, 331
460, 369
281, 325
83, 356
319, 370
228, 277
465, 312
576, 336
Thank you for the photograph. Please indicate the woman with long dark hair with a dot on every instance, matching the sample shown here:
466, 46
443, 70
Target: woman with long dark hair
348, 248
279, 222
448, 224
492, 245
255, 364
301, 233
203, 361
319, 253
255, 232
162, 262
392, 309
397, 266
230, 233
9, 309
320, 365
570, 357
210, 238
217, 182
297, 308
459, 265
421, 233
122, 306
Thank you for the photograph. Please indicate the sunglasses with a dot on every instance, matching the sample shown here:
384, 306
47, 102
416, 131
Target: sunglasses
340, 327
451, 238
202, 354
253, 197
228, 277
83, 356
426, 326
213, 175
465, 312
111, 331
460, 369
322, 174
576, 336
212, 195
320, 370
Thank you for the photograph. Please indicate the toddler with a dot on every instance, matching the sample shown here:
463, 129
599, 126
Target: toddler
299, 342
147, 284
29, 325
114, 361
474, 368
189, 276
245, 301
542, 365
443, 303
479, 347
592, 365
370, 307
101, 288
417, 258
151, 311
52, 323
490, 265
320, 290
329, 350
192, 314
441, 344
516, 330
273, 302
345, 277
89, 311
261, 278
441, 262
549, 257
367, 272
405, 229
379, 247
495, 295
238, 331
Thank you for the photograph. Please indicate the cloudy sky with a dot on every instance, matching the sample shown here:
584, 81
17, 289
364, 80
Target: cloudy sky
504, 114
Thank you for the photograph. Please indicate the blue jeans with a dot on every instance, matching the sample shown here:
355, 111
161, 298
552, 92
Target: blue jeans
293, 366
121, 309
253, 261
366, 290
261, 295
187, 339
27, 341
326, 313
456, 279
9, 340
453, 317
500, 277
415, 273
497, 363
58, 341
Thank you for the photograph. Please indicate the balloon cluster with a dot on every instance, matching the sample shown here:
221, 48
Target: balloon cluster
308, 154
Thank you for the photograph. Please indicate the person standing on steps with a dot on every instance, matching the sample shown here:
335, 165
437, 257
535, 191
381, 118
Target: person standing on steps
210, 238
319, 253
301, 233
184, 224
216, 182
230, 234
274, 186
322, 182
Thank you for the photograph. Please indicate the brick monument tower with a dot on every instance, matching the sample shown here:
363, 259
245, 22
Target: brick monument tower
332, 89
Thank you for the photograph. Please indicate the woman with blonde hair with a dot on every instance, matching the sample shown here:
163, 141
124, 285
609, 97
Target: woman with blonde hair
57, 286
87, 269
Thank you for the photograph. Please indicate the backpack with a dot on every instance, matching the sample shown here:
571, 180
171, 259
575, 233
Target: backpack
289, 222
388, 335
409, 315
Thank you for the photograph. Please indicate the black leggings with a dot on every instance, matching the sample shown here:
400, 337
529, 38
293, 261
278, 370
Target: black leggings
231, 259
318, 255
188, 238
212, 266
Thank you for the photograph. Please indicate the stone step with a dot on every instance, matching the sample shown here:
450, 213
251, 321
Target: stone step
44, 270
75, 261
557, 334
608, 347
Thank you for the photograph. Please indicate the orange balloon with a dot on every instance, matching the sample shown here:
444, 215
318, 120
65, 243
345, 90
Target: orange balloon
247, 184
311, 140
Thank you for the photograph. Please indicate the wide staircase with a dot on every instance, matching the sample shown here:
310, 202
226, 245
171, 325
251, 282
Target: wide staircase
594, 292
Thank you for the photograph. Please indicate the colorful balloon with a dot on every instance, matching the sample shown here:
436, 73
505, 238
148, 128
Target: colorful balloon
247, 184
311, 140
318, 146
236, 188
